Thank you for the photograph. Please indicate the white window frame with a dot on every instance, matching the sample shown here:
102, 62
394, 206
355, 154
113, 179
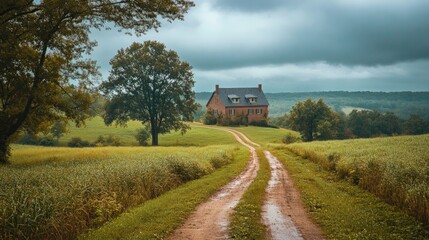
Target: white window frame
259, 111
252, 100
231, 111
251, 111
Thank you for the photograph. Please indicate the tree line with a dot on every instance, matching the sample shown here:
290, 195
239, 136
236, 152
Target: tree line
316, 120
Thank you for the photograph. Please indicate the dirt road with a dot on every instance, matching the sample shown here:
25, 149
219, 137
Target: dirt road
283, 212
211, 218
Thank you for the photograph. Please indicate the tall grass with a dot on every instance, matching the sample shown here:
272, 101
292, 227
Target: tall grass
56, 193
394, 168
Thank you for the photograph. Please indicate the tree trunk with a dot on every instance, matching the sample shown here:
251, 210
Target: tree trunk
154, 133
155, 139
4, 151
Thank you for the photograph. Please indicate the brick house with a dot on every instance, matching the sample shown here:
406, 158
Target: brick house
239, 102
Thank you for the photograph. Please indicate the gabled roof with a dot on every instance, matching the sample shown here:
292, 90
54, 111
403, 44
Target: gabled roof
243, 94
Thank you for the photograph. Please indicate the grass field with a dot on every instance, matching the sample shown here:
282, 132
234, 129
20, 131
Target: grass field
394, 168
53, 192
95, 127
50, 192
345, 211
265, 136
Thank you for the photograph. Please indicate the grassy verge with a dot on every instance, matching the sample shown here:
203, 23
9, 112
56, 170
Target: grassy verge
158, 217
345, 211
246, 219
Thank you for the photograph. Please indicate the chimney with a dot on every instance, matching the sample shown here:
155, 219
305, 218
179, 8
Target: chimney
260, 87
217, 89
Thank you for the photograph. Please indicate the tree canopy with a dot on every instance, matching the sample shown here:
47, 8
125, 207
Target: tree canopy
314, 120
43, 74
150, 84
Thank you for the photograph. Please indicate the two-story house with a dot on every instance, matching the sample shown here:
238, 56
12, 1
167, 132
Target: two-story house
234, 102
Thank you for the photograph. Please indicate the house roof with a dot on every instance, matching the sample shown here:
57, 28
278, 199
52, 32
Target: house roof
243, 94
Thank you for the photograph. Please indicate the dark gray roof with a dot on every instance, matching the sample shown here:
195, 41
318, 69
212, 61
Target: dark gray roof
241, 93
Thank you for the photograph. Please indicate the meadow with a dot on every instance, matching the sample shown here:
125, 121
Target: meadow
196, 136
393, 168
59, 192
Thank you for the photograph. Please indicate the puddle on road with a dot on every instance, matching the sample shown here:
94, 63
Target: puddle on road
280, 225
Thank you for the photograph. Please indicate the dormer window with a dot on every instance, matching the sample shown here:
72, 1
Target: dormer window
251, 98
234, 98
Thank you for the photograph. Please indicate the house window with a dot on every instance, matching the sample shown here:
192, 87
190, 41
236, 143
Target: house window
234, 98
251, 98
258, 111
250, 111
231, 111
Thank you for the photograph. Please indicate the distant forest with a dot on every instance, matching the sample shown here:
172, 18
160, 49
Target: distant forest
401, 104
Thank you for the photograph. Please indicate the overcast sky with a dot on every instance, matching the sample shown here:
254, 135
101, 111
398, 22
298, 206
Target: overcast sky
296, 45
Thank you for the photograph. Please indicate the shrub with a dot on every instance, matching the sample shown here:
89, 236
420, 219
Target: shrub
28, 139
47, 141
209, 117
143, 136
290, 138
78, 142
262, 123
109, 140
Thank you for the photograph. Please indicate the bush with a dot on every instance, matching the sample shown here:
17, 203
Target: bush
143, 136
78, 142
47, 141
262, 123
28, 139
109, 140
209, 117
290, 138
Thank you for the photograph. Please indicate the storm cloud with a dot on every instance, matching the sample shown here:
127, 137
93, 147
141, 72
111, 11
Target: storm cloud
297, 45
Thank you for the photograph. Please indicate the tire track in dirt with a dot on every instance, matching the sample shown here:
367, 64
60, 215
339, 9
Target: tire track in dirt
283, 211
210, 220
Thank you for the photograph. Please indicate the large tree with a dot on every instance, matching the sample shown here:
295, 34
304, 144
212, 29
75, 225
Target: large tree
314, 120
43, 74
150, 84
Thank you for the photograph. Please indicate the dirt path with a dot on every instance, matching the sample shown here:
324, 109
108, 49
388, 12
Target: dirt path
283, 211
210, 220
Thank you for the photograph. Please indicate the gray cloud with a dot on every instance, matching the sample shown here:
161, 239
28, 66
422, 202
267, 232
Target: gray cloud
249, 5
220, 38
323, 31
